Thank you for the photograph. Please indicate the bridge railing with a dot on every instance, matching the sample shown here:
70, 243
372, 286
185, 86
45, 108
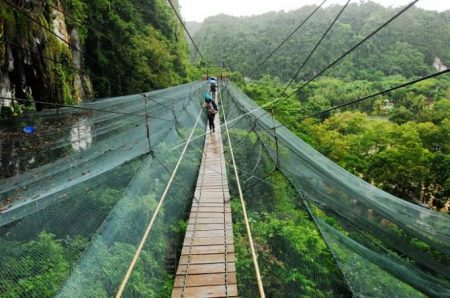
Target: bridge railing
323, 229
77, 201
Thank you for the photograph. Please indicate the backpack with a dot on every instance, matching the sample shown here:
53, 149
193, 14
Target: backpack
210, 109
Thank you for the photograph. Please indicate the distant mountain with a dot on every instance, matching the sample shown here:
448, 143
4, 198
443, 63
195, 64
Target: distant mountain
410, 45
193, 27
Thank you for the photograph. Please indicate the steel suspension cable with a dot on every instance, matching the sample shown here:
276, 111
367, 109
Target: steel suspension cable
314, 49
244, 209
78, 70
333, 63
186, 30
320, 73
412, 82
80, 108
372, 95
288, 37
155, 214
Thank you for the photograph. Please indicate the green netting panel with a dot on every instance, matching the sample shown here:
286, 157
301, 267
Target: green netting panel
77, 195
380, 243
294, 260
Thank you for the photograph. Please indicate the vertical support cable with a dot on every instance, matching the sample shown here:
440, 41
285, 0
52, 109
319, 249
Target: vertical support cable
150, 151
275, 136
244, 211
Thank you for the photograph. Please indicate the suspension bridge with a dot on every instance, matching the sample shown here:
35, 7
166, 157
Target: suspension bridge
127, 178
134, 195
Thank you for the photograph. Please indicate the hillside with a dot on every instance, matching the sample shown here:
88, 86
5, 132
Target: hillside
193, 27
409, 46
67, 51
397, 141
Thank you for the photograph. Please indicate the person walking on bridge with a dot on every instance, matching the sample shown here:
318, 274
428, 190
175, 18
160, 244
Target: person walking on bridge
213, 87
211, 109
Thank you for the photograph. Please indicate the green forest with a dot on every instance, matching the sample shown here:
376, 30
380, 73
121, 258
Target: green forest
293, 255
398, 141
99, 49
408, 46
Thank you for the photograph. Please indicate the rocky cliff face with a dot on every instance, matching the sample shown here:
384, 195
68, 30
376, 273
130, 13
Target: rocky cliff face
39, 55
63, 51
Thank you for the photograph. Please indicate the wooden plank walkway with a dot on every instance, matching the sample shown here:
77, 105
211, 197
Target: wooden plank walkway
207, 265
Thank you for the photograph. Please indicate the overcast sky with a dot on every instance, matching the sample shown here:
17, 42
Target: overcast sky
198, 10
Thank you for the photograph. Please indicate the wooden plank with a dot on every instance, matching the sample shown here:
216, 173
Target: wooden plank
206, 291
208, 227
205, 280
220, 203
211, 195
207, 184
212, 200
206, 268
211, 209
206, 259
215, 189
207, 263
210, 215
206, 249
207, 220
208, 233
208, 241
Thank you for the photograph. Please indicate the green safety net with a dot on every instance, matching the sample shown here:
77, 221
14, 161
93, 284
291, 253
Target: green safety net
323, 232
77, 195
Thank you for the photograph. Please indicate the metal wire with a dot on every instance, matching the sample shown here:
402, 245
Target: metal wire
81, 108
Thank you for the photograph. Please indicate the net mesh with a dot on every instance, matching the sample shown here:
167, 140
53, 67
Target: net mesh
336, 233
77, 195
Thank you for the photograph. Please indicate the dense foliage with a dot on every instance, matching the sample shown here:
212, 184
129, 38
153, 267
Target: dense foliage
291, 259
72, 50
408, 46
398, 141
41, 251
295, 252
149, 49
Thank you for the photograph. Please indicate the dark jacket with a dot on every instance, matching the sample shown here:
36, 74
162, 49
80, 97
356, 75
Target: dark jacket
214, 105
